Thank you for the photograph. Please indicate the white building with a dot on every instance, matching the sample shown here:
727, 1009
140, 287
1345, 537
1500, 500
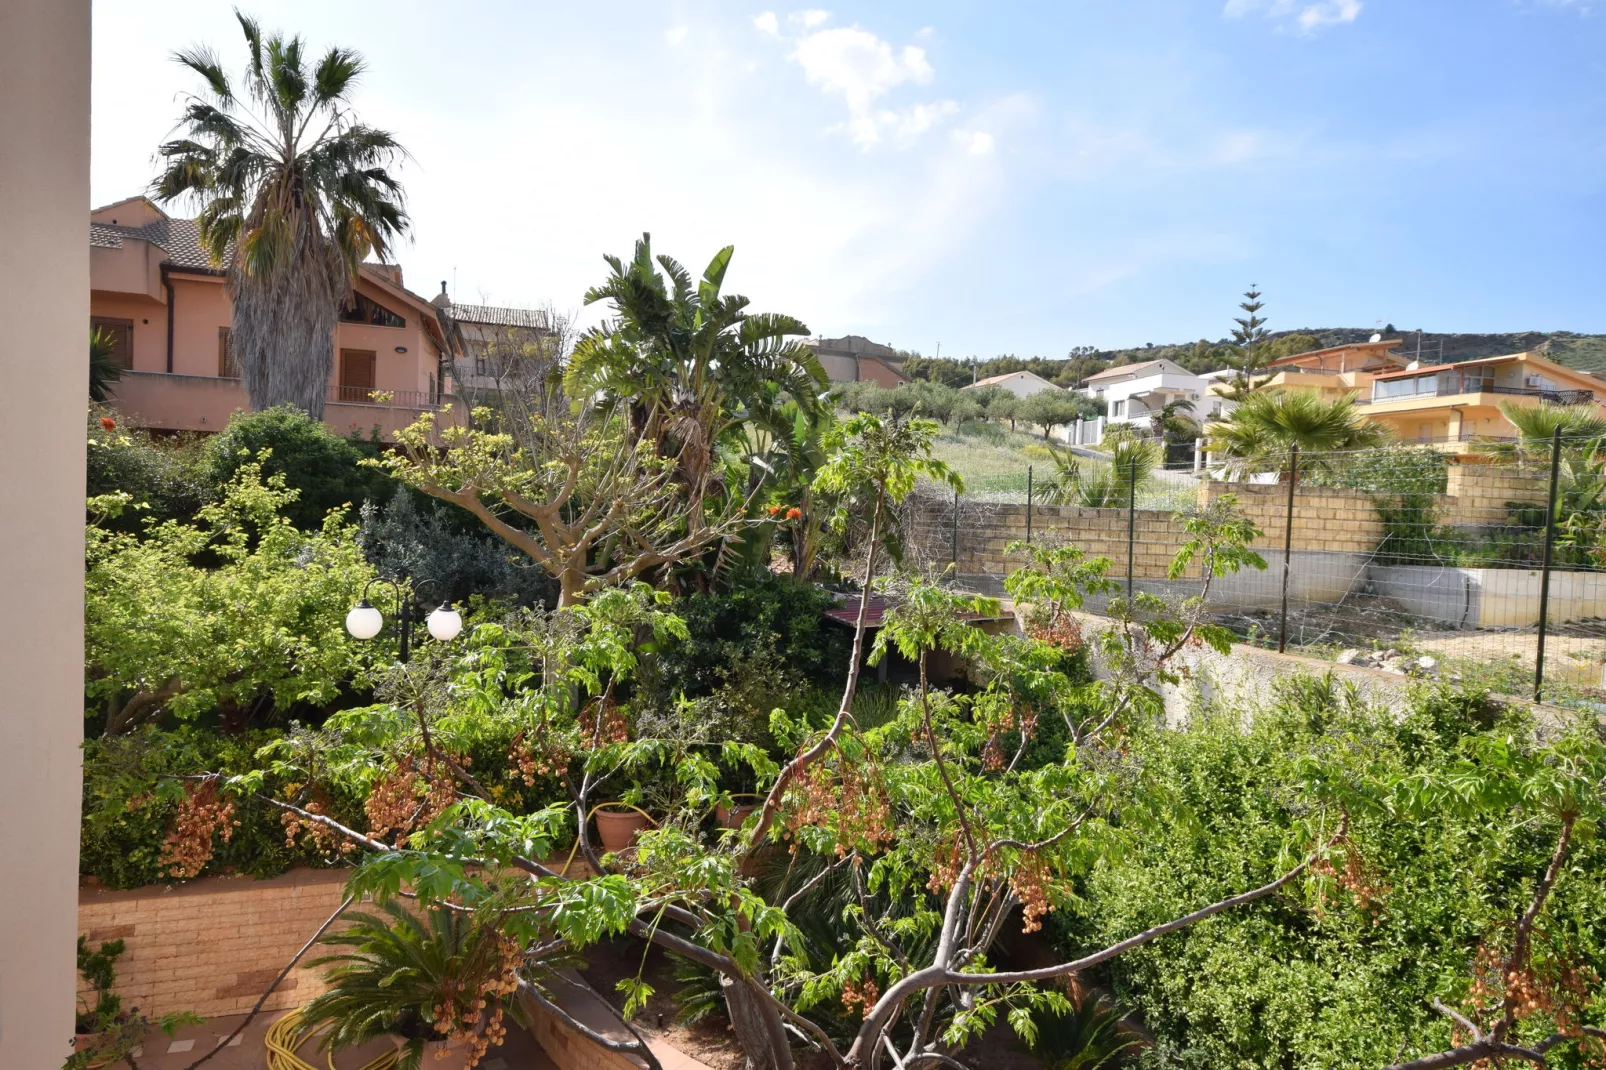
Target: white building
1021, 384
1131, 393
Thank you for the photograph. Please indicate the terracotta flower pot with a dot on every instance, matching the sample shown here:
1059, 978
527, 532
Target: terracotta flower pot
732, 817
448, 1054
618, 827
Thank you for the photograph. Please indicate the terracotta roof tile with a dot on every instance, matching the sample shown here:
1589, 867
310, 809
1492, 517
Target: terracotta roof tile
498, 316
179, 238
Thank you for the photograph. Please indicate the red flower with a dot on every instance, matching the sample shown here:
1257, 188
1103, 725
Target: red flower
108, 423
793, 513
774, 510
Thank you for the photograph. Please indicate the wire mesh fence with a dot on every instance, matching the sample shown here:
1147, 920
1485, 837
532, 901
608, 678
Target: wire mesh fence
1486, 566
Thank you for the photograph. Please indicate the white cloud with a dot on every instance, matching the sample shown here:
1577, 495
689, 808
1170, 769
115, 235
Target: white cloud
809, 19
909, 124
861, 68
675, 35
974, 142
1307, 16
767, 23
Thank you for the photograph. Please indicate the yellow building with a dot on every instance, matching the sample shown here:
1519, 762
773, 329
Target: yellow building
1445, 405
1448, 405
1337, 370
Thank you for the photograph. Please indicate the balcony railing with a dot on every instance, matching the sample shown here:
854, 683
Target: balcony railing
1558, 397
395, 399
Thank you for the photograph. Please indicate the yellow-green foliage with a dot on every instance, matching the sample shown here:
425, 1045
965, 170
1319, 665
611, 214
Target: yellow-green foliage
240, 605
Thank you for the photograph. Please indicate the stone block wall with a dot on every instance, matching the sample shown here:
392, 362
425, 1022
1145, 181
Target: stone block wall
1326, 519
1477, 494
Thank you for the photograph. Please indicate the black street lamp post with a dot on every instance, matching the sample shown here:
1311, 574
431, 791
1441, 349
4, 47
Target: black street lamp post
365, 621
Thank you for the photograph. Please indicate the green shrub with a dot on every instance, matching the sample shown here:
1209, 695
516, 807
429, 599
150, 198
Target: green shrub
770, 617
128, 807
324, 467
165, 475
1317, 977
448, 553
130, 797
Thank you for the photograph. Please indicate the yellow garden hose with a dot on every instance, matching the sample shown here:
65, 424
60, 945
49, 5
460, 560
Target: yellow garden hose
284, 1040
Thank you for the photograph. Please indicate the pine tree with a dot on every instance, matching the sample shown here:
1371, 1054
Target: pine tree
1250, 354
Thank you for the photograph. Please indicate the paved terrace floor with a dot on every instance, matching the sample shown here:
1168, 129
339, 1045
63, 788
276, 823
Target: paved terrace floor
518, 1052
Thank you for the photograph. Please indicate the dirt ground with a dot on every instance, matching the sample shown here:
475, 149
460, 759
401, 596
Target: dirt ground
1574, 652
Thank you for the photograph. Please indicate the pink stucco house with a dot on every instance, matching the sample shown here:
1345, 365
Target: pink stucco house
153, 289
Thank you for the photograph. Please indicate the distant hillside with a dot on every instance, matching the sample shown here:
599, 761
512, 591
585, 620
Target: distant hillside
1586, 352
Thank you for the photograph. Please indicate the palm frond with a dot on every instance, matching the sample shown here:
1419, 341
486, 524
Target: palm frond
291, 214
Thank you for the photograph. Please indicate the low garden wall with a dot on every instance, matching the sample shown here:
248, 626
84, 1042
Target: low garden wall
213, 945
1489, 597
1333, 537
1325, 520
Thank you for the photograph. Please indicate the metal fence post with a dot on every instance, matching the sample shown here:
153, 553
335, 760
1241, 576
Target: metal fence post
956, 533
1131, 524
1028, 505
1288, 543
1544, 576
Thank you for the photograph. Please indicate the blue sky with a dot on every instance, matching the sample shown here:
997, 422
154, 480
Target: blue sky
998, 177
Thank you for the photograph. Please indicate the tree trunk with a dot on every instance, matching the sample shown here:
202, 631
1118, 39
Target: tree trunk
758, 1027
285, 316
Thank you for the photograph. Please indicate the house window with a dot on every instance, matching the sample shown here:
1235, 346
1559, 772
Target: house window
1118, 408
121, 335
359, 309
357, 375
227, 366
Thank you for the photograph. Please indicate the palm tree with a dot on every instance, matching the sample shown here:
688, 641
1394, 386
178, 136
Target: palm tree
1168, 424
1581, 467
691, 363
294, 194
1537, 424
398, 973
1265, 425
1132, 463
104, 370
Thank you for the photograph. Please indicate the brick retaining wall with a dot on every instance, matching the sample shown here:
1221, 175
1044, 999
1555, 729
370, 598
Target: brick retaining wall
213, 945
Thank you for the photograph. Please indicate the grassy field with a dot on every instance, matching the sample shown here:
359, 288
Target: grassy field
994, 468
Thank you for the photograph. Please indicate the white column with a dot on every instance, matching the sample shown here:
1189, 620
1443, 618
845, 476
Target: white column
44, 274
1098, 431
1198, 454
1078, 438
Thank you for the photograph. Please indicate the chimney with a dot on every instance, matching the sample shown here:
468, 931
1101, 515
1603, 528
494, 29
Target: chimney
441, 300
390, 272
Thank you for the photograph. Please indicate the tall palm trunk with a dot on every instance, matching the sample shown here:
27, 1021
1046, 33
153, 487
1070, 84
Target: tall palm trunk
284, 323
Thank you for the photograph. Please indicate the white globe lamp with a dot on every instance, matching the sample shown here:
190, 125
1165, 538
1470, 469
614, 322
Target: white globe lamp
364, 621
445, 622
